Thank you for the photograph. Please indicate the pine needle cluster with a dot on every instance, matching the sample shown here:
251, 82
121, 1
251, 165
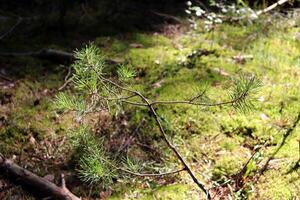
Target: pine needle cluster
94, 165
243, 92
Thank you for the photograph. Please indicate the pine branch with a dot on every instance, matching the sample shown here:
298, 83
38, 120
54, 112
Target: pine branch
89, 75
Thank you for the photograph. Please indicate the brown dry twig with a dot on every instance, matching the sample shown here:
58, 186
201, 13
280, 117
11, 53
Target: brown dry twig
67, 80
11, 29
16, 173
285, 136
271, 7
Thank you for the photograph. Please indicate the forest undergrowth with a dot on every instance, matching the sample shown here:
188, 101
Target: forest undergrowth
227, 149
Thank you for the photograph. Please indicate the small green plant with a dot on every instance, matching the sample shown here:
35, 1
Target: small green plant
94, 166
96, 90
93, 169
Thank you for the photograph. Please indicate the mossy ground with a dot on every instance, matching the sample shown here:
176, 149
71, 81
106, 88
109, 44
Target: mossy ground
215, 141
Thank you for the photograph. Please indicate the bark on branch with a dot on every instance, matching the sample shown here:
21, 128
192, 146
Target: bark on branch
271, 7
47, 54
26, 178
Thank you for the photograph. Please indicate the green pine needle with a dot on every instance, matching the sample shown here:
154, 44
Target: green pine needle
125, 73
245, 87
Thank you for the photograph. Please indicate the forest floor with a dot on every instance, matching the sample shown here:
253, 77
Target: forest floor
173, 65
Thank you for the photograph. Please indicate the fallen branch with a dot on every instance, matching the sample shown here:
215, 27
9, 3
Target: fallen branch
271, 7
4, 77
26, 178
47, 54
285, 137
50, 54
167, 16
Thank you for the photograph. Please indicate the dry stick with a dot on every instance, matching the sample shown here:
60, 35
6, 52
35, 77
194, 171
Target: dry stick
51, 54
167, 16
285, 136
271, 7
179, 156
67, 80
17, 173
11, 29
2, 76
198, 96
239, 175
243, 170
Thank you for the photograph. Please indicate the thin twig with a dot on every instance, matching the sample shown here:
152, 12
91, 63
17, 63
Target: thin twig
216, 186
162, 131
194, 103
271, 7
243, 170
5, 77
167, 16
175, 102
126, 143
146, 174
67, 80
198, 96
123, 99
179, 156
11, 29
285, 136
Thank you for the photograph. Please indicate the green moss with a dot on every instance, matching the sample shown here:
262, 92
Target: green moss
167, 71
172, 192
149, 40
228, 144
274, 187
118, 46
227, 165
